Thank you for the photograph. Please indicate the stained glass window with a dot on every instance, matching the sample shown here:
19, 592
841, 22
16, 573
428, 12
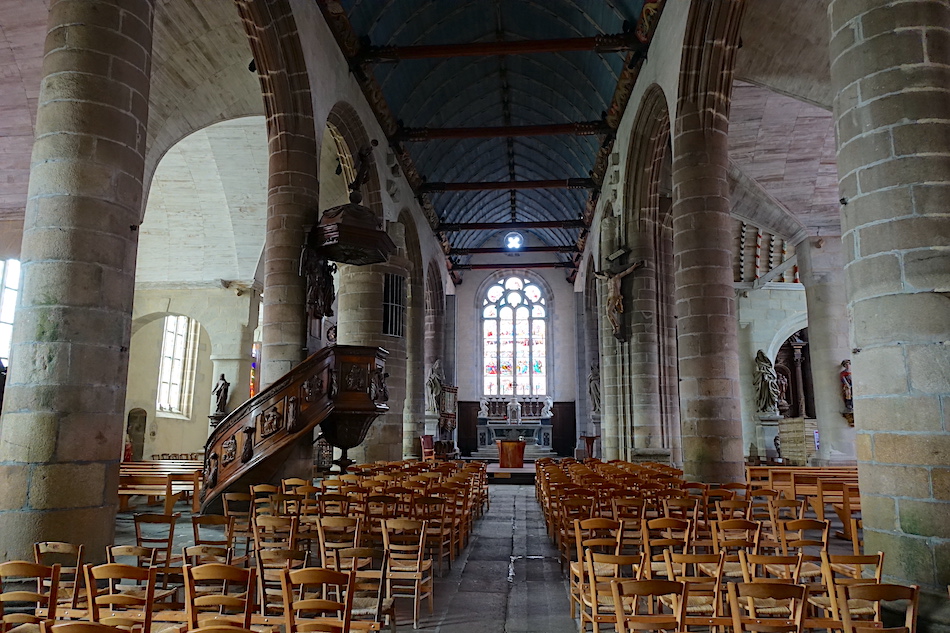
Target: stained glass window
514, 329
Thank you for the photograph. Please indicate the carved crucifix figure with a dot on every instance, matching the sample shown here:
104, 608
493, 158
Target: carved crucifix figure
614, 307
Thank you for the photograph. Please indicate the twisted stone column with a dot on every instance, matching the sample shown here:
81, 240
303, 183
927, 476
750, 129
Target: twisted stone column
61, 431
890, 69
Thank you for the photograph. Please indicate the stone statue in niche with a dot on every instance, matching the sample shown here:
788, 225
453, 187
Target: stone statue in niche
846, 391
483, 407
228, 450
248, 451
434, 387
614, 307
593, 387
514, 411
220, 392
766, 384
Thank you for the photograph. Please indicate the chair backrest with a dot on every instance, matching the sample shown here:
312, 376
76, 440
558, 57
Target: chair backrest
876, 594
599, 534
404, 540
337, 533
733, 535
213, 529
744, 596
317, 599
756, 567
808, 536
69, 557
274, 532
221, 594
665, 533
50, 626
121, 608
15, 599
631, 594
369, 588
270, 565
137, 556
156, 531
204, 554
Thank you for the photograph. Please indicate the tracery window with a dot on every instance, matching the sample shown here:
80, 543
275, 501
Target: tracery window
176, 374
514, 344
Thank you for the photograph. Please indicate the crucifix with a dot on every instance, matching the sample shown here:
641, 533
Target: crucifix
614, 307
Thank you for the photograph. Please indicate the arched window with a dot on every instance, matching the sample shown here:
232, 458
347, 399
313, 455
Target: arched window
514, 327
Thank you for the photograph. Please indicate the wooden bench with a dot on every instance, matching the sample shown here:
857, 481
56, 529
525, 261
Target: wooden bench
156, 480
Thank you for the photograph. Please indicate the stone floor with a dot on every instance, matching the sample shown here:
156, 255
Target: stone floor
506, 581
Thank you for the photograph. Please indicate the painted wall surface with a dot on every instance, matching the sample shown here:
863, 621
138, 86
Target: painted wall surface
767, 317
165, 432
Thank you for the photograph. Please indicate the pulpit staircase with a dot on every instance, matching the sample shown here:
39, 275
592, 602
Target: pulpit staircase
340, 388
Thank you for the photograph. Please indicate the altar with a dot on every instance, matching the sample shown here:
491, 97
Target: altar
532, 425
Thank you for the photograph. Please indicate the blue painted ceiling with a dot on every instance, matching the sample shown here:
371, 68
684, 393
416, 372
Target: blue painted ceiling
541, 88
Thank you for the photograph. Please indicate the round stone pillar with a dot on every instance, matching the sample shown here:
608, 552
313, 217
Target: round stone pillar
610, 359
415, 404
292, 202
644, 353
702, 247
61, 432
821, 270
360, 322
890, 69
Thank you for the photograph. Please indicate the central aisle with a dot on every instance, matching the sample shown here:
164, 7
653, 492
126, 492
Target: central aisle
507, 580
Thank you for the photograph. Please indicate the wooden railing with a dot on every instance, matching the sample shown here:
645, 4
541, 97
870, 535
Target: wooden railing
342, 388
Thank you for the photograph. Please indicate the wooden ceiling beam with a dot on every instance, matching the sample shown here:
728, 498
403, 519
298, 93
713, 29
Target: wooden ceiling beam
510, 265
609, 43
506, 185
422, 134
525, 249
512, 226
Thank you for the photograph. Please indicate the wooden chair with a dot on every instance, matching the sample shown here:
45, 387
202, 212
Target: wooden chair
158, 531
195, 555
337, 533
808, 537
271, 563
372, 607
317, 599
19, 604
439, 525
704, 600
843, 570
746, 617
72, 589
261, 499
116, 607
410, 573
731, 537
219, 594
597, 605
627, 596
663, 534
876, 594
274, 532
600, 535
428, 448
237, 506
213, 529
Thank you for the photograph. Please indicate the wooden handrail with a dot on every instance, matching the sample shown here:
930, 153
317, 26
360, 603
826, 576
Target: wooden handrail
340, 387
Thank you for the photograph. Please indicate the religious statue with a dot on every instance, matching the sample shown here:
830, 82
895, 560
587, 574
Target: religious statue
548, 410
593, 387
782, 402
846, 392
220, 392
614, 307
3, 381
434, 387
766, 384
319, 275
483, 407
514, 411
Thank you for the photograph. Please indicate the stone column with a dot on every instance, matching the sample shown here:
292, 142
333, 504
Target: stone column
702, 246
890, 68
609, 382
644, 353
414, 407
821, 270
61, 431
360, 322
